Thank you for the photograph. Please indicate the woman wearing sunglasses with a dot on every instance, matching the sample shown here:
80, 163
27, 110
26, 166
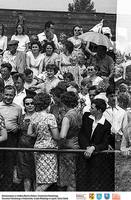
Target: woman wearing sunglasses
77, 42
25, 160
92, 72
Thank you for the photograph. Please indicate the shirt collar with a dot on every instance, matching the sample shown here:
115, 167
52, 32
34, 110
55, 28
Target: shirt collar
22, 92
101, 121
116, 107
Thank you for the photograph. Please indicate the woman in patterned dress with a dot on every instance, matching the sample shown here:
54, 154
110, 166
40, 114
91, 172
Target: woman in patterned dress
43, 126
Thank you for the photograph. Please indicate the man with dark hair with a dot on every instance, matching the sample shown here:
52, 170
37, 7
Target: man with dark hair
95, 129
19, 82
93, 137
114, 114
92, 92
6, 69
12, 115
48, 34
103, 61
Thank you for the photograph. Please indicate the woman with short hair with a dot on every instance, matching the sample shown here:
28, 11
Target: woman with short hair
34, 58
43, 127
71, 124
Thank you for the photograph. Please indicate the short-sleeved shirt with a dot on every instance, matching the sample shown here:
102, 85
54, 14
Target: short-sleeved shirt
23, 40
42, 123
12, 115
75, 121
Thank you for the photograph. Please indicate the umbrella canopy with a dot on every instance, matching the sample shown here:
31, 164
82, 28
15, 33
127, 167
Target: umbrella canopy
96, 38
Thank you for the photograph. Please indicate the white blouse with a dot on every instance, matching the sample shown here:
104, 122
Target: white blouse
3, 43
23, 40
34, 63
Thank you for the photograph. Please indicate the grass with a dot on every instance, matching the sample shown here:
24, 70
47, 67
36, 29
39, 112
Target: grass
122, 173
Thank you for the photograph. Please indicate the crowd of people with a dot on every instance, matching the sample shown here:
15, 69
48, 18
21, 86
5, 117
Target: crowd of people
58, 92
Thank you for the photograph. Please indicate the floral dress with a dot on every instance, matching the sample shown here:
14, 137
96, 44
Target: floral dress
46, 163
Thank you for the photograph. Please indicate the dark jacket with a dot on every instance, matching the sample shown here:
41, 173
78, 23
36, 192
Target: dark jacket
100, 136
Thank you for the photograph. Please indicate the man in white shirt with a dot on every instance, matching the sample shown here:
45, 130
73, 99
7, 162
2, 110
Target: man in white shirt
15, 58
19, 82
115, 115
48, 32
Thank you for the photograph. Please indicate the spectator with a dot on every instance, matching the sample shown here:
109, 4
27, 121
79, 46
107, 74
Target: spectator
93, 137
101, 89
93, 119
62, 40
51, 81
92, 72
57, 108
103, 61
12, 115
75, 39
49, 30
118, 76
34, 58
25, 160
123, 101
3, 39
19, 82
6, 69
33, 38
73, 87
86, 83
92, 92
15, 58
29, 79
71, 124
114, 114
66, 56
21, 37
43, 127
68, 77
50, 57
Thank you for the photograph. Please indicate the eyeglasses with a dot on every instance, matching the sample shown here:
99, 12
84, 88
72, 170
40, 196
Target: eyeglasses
31, 103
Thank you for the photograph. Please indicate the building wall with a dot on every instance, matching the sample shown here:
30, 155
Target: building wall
64, 21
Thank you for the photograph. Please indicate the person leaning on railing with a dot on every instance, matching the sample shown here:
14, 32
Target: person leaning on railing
93, 137
71, 124
43, 127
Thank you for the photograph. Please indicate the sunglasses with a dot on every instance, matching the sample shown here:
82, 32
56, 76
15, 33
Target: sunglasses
31, 103
76, 29
90, 70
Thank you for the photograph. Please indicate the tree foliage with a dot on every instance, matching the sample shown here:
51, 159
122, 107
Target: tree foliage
86, 6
